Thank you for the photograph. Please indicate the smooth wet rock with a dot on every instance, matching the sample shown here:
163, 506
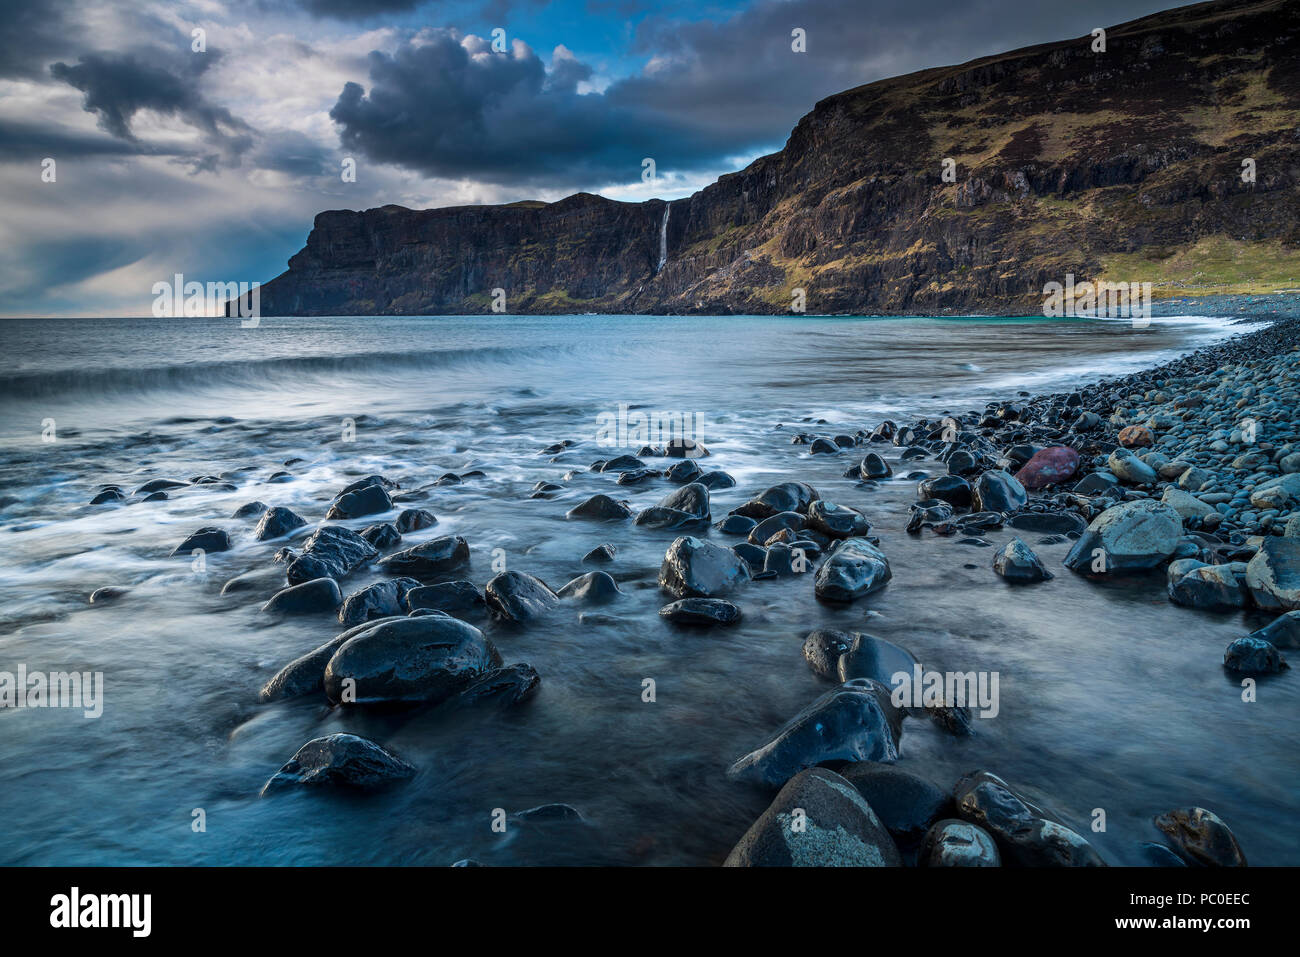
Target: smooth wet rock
306, 674
601, 554
343, 761
763, 532
414, 519
954, 843
1281, 632
317, 595
870, 657
1201, 837
382, 535
657, 516
952, 489
518, 597
837, 828
873, 466
1185, 504
426, 659
1024, 837
1273, 575
822, 650
331, 552
735, 525
906, 803
457, 598
436, 558
996, 491
600, 508
248, 509
785, 497
1136, 437
1133, 536
854, 722
1017, 563
1129, 468
854, 568
837, 521
368, 500
593, 588
277, 522
695, 569
1048, 467
701, 611
1194, 584
501, 687
692, 498
208, 539
1253, 656
381, 600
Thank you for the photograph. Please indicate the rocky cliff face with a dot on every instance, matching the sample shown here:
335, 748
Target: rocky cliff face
1124, 165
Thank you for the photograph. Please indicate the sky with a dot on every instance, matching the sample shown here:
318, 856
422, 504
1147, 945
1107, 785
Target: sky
133, 148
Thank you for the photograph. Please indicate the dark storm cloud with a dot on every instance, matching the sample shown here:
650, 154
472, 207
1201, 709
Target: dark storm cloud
117, 86
498, 117
714, 89
33, 34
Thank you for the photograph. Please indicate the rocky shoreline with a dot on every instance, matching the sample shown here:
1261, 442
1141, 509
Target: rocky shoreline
1192, 467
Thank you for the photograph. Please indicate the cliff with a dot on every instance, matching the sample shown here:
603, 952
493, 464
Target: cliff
1124, 165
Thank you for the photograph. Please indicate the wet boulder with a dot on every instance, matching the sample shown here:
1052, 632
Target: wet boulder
407, 660
1129, 468
785, 497
319, 594
248, 509
701, 611
593, 588
853, 569
207, 539
1025, 838
436, 558
343, 761
996, 491
330, 552
837, 828
501, 687
277, 522
854, 722
1048, 467
457, 598
306, 674
763, 532
414, 519
1018, 564
822, 650
837, 521
601, 554
952, 489
367, 500
873, 466
875, 658
695, 569
906, 803
692, 498
1131, 536
1253, 656
380, 600
600, 508
1201, 837
382, 535
1194, 584
1273, 575
954, 843
657, 516
515, 596
1281, 632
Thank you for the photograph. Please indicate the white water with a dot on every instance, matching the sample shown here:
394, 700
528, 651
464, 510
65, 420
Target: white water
663, 239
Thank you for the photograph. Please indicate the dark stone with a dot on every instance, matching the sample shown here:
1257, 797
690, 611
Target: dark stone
249, 509
382, 535
209, 539
518, 597
413, 519
319, 594
1025, 838
501, 687
701, 611
456, 598
786, 497
692, 499
695, 569
425, 659
906, 803
848, 723
1201, 837
341, 760
600, 508
1017, 563
306, 674
735, 525
330, 552
368, 500
593, 588
839, 828
380, 600
762, 533
432, 559
952, 489
953, 843
1253, 656
601, 554
277, 522
870, 657
823, 648
873, 466
853, 569
1052, 523
836, 521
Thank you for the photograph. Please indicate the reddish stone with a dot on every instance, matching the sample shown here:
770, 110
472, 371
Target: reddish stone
1049, 467
1136, 437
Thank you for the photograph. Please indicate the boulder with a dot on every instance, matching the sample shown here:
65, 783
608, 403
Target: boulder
786, 497
1273, 575
414, 519
457, 598
701, 611
1024, 837
1282, 632
837, 521
1194, 584
1253, 656
1132, 536
207, 539
835, 828
695, 569
340, 760
436, 558
501, 687
952, 489
1048, 467
407, 660
600, 508
1200, 837
954, 843
380, 600
593, 588
1185, 504
330, 552
319, 594
870, 657
762, 533
822, 650
996, 491
1017, 563
873, 466
518, 597
906, 803
854, 722
1136, 437
367, 500
692, 498
853, 569
277, 522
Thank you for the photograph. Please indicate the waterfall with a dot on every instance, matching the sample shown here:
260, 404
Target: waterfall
663, 239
